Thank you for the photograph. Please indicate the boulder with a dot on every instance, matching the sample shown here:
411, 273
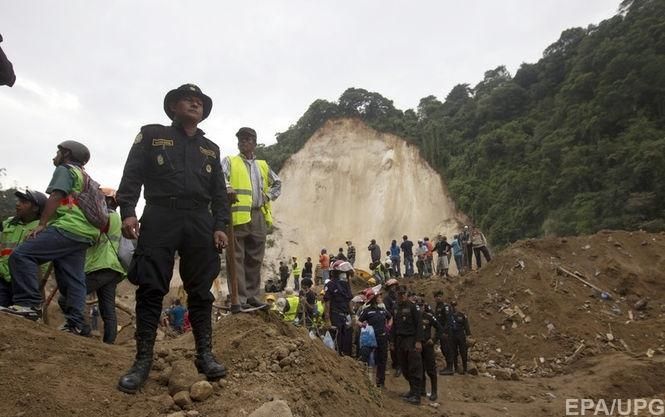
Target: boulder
278, 408
183, 375
200, 391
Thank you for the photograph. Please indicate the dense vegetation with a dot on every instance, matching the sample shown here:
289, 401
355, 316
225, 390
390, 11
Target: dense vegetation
571, 144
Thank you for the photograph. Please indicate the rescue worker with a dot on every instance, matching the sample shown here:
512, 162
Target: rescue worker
186, 211
15, 229
295, 268
292, 306
441, 311
458, 330
103, 270
377, 317
283, 274
428, 354
63, 235
350, 252
251, 186
408, 340
337, 313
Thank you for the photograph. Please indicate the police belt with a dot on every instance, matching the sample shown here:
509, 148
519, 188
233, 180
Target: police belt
178, 203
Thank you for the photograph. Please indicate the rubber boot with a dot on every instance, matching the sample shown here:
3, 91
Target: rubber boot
447, 371
205, 361
414, 398
433, 396
134, 379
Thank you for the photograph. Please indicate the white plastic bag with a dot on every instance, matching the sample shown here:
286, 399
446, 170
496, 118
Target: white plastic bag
328, 341
126, 252
367, 337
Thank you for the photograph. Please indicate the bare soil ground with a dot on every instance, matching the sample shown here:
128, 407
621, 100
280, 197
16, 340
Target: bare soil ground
526, 367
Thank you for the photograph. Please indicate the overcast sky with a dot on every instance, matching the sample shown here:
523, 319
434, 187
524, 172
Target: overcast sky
97, 71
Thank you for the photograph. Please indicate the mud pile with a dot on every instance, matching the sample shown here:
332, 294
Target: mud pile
530, 311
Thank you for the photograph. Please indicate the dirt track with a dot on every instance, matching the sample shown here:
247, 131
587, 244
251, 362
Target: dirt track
46, 373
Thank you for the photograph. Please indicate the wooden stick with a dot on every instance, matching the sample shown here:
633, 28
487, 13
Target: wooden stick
565, 271
231, 267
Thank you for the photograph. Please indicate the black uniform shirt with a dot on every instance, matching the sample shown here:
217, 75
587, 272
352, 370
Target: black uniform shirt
429, 321
376, 317
441, 312
339, 294
408, 321
169, 164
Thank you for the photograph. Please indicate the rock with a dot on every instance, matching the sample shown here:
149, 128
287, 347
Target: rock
183, 376
641, 304
192, 413
182, 399
162, 352
275, 368
277, 408
503, 374
473, 371
164, 376
223, 383
200, 391
177, 414
286, 362
165, 402
281, 352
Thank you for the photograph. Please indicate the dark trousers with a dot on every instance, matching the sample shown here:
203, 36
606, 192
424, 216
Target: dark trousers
429, 367
411, 362
381, 358
457, 342
5, 293
103, 282
408, 266
342, 334
485, 252
250, 245
468, 254
446, 351
163, 232
68, 258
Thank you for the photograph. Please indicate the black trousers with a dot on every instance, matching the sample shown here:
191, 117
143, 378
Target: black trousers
163, 232
457, 342
342, 334
446, 351
411, 362
485, 252
429, 366
381, 358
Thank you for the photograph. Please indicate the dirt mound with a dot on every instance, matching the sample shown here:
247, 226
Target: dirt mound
528, 309
511, 303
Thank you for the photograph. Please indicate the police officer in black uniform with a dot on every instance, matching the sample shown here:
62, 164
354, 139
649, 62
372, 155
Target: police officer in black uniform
429, 359
377, 316
458, 330
390, 301
186, 211
337, 312
441, 311
407, 337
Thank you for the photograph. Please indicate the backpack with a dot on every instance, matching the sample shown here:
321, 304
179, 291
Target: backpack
92, 201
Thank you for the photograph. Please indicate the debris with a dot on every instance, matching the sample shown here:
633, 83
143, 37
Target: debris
200, 391
641, 304
278, 408
630, 315
578, 276
577, 351
182, 398
650, 353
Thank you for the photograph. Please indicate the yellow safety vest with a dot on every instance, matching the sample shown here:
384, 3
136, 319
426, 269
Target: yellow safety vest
294, 304
240, 179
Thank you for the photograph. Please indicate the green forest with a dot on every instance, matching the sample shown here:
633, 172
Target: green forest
571, 144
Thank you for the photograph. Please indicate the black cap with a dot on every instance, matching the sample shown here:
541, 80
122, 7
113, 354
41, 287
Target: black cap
246, 131
35, 197
184, 91
402, 289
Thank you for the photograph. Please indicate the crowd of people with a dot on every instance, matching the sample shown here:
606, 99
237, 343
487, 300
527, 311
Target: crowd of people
381, 321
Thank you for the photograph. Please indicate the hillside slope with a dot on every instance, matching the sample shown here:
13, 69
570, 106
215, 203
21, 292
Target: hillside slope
351, 182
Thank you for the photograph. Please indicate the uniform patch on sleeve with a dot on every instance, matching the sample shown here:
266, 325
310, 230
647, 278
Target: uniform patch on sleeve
208, 152
138, 138
162, 142
208, 168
